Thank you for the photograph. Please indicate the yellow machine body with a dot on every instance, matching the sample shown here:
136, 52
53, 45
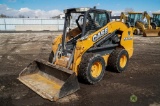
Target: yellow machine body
58, 78
83, 45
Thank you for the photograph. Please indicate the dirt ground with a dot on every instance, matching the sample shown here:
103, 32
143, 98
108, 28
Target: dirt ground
141, 78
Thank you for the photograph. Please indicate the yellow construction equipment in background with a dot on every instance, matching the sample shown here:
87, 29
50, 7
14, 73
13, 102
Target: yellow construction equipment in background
82, 52
130, 19
139, 26
155, 23
124, 18
149, 28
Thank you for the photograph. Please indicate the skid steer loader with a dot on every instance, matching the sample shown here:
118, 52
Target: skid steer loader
80, 54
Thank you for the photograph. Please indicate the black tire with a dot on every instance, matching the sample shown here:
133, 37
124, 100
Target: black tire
114, 60
153, 26
84, 72
51, 56
136, 32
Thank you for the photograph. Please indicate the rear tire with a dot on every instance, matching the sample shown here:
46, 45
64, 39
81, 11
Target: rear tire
118, 60
91, 69
51, 56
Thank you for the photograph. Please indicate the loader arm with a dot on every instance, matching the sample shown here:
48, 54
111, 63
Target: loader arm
141, 26
146, 15
123, 17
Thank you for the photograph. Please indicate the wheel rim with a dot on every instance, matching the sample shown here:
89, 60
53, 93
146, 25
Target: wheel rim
96, 69
123, 61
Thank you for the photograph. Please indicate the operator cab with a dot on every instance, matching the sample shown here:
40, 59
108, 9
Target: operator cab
156, 19
81, 22
134, 17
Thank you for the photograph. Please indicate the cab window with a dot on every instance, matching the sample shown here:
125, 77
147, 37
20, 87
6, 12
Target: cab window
96, 20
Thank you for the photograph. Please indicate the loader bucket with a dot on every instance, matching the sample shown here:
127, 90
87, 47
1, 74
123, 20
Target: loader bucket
48, 80
151, 32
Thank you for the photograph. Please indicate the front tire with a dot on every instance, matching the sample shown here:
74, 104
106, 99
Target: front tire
118, 60
91, 69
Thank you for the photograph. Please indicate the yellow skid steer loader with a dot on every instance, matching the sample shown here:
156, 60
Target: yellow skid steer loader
80, 53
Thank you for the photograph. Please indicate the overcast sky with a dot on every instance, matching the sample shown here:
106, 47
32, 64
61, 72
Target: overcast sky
49, 8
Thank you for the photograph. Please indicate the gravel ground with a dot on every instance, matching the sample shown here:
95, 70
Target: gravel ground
140, 80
